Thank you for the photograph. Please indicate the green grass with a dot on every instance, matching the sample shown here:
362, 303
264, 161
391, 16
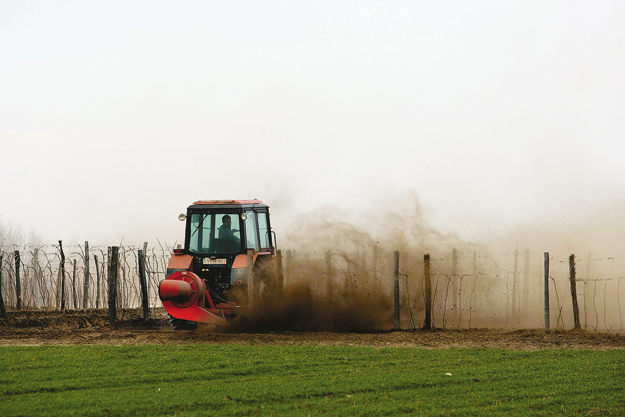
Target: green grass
301, 380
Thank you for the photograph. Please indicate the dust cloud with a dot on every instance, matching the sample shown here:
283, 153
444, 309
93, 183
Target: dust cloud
339, 273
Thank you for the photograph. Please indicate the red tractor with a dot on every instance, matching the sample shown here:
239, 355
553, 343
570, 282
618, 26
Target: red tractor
229, 264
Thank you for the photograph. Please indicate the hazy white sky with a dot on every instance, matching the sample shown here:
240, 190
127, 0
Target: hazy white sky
116, 115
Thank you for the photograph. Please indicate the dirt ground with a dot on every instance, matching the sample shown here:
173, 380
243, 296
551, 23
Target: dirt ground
72, 327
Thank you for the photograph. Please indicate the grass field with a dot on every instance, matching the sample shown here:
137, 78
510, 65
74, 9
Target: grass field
302, 380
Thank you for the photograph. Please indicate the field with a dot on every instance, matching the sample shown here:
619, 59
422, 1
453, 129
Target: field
77, 364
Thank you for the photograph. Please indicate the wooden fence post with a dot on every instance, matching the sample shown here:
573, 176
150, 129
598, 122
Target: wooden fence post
396, 290
39, 294
3, 310
62, 273
74, 294
455, 287
547, 291
427, 325
18, 283
574, 292
97, 284
113, 269
587, 287
144, 287
85, 295
515, 289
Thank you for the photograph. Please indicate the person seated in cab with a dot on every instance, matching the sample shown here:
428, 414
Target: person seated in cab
228, 242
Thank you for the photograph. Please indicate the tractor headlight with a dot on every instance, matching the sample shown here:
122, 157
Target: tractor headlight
182, 217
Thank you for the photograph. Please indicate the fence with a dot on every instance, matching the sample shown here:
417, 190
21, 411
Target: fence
466, 289
472, 290
77, 277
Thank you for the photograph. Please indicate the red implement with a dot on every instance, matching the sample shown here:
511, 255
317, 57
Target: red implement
183, 295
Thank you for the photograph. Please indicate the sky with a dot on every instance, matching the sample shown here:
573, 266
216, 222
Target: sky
116, 115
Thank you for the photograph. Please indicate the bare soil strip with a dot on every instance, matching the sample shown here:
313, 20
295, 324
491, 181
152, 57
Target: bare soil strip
73, 327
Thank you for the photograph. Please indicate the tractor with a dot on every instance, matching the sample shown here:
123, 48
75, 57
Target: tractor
228, 267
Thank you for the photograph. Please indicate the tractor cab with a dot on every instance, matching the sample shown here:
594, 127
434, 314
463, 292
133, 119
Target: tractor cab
228, 259
227, 228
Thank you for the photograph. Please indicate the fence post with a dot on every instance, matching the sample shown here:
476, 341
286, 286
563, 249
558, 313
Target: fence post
113, 267
145, 254
144, 287
586, 288
3, 310
85, 296
74, 295
18, 283
62, 273
396, 291
97, 288
547, 291
427, 325
515, 288
526, 284
574, 291
39, 298
455, 287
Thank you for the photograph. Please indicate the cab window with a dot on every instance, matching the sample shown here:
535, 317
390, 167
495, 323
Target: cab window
251, 231
263, 228
215, 233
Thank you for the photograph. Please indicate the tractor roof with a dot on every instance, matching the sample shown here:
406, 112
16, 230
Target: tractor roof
224, 202
208, 205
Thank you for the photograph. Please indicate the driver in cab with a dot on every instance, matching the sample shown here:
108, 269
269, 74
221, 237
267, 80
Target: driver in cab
228, 242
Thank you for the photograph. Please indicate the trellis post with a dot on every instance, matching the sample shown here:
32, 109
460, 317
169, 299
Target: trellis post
112, 278
97, 284
144, 287
62, 273
574, 291
396, 290
3, 310
427, 325
85, 295
547, 291
18, 282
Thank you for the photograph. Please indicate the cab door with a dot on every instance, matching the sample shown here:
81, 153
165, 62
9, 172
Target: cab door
258, 231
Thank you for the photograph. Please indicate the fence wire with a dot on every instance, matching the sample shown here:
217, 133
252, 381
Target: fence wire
41, 276
469, 289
